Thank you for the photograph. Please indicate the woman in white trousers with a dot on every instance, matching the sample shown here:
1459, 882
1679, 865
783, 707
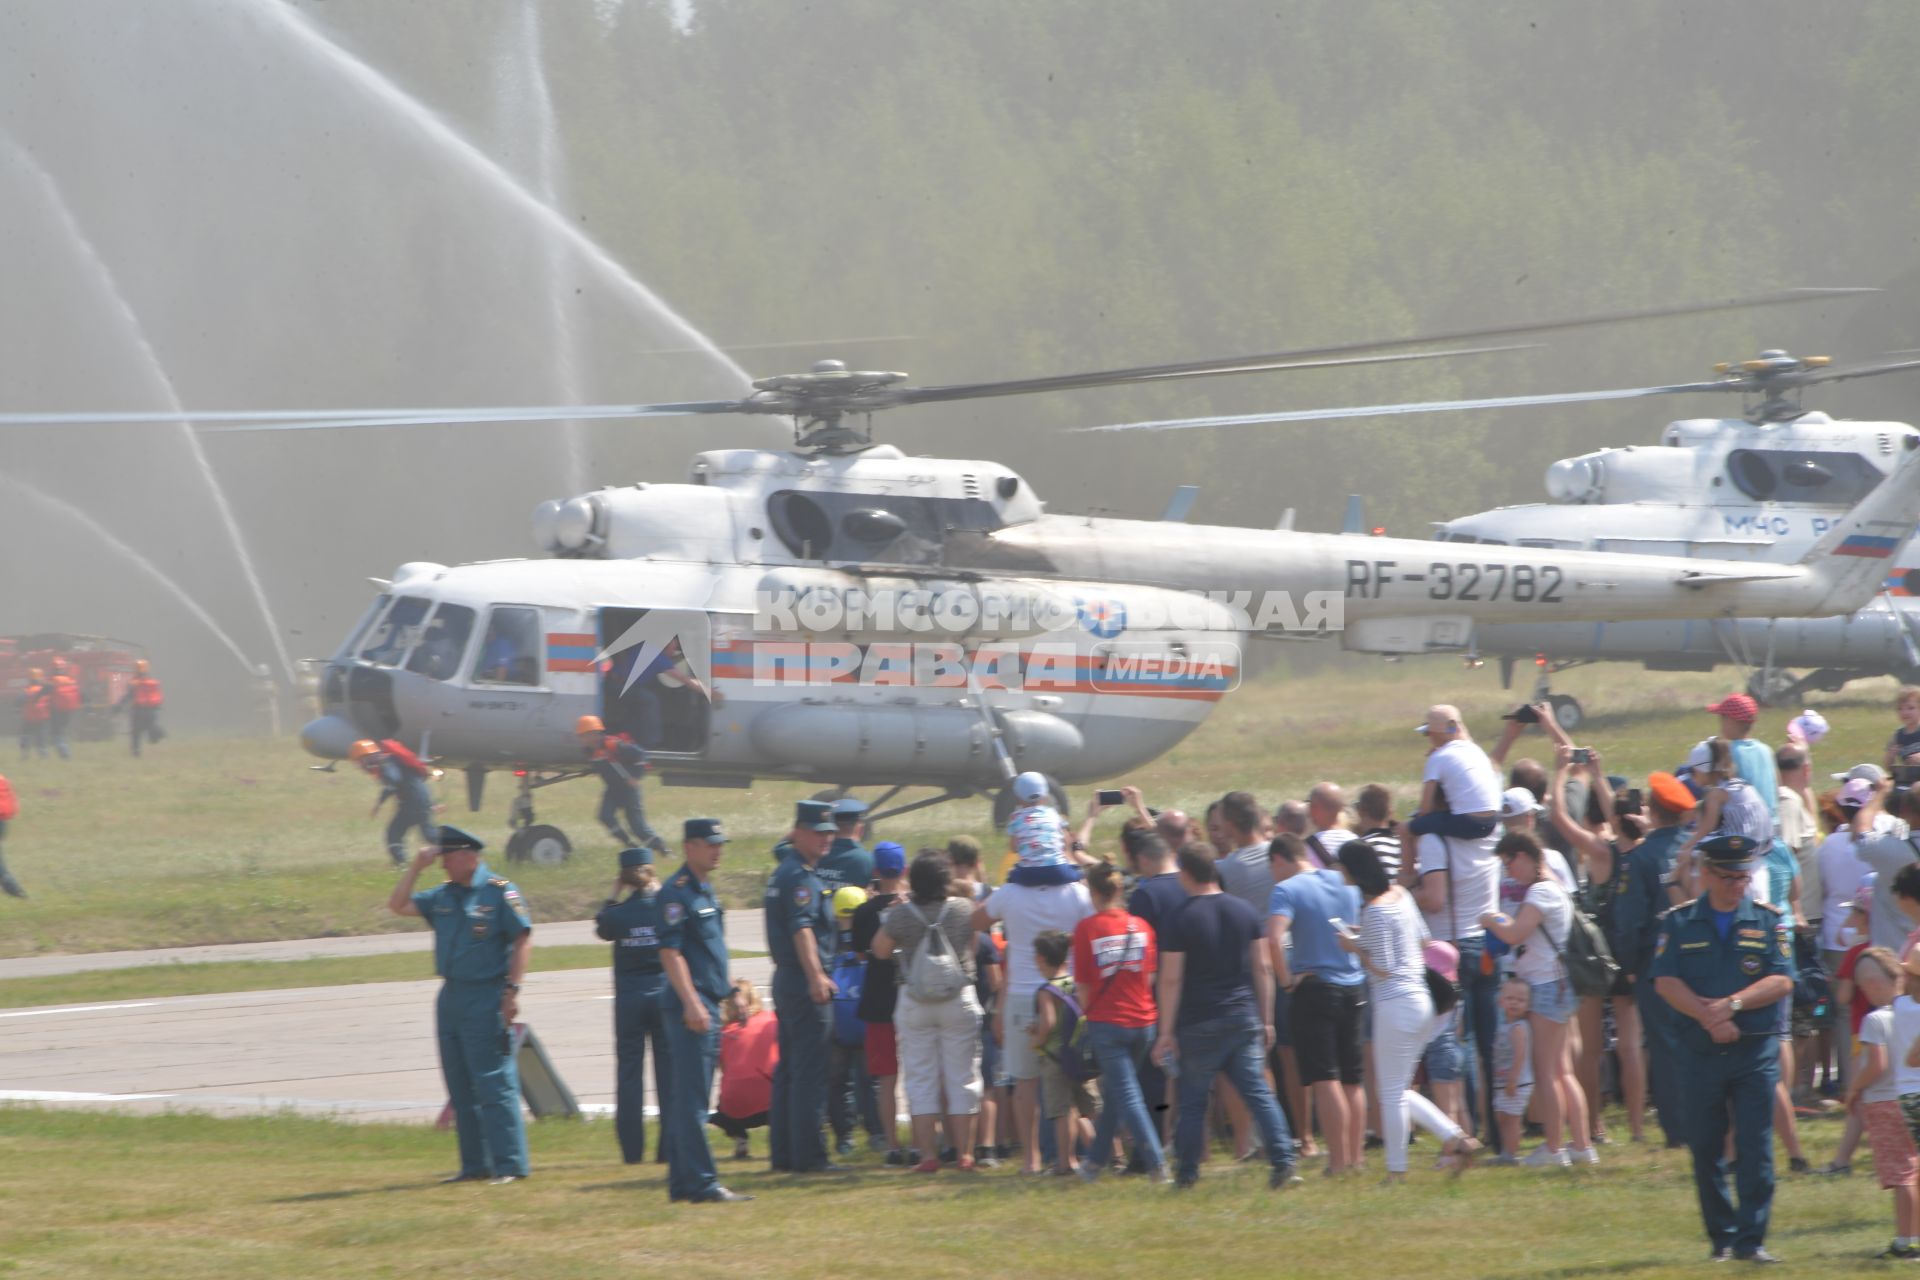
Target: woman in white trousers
1390, 944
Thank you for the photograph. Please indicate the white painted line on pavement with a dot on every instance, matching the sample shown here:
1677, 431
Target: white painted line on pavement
78, 1008
57, 1095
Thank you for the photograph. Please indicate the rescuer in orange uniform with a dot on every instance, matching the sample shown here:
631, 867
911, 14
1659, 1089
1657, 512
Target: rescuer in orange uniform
9, 810
403, 776
146, 699
620, 762
64, 693
36, 708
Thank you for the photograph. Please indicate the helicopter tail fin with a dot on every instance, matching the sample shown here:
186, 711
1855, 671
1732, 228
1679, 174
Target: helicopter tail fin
1852, 558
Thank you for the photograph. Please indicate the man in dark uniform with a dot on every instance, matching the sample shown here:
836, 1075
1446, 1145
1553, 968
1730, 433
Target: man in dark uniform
1637, 914
1723, 961
620, 762
848, 861
693, 951
482, 936
800, 938
639, 1003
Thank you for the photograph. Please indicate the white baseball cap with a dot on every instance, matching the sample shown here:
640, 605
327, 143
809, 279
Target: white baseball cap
1031, 786
1518, 802
1701, 757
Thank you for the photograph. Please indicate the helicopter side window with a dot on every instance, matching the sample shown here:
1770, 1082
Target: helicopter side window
394, 634
365, 624
443, 641
510, 653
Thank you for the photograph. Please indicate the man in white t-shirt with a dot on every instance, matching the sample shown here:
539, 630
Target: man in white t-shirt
1460, 788
1027, 911
1455, 880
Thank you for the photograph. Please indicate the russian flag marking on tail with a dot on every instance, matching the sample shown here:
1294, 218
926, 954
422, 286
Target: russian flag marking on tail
1867, 545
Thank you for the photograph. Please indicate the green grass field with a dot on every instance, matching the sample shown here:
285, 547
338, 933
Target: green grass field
212, 840
185, 1197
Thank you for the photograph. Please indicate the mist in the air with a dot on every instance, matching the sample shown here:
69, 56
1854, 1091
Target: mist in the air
243, 204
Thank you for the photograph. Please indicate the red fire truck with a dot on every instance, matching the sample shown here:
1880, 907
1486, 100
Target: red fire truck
101, 664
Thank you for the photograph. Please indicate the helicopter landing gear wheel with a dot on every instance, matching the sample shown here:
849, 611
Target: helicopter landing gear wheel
1770, 687
541, 844
1567, 711
1005, 802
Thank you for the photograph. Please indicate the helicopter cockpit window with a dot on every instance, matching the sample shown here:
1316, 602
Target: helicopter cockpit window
1794, 475
352, 646
890, 528
394, 634
510, 654
443, 642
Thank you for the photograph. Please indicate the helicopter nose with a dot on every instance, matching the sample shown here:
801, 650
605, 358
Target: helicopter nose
329, 737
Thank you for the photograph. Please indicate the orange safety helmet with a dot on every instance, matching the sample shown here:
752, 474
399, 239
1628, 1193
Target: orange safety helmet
589, 724
140, 666
362, 749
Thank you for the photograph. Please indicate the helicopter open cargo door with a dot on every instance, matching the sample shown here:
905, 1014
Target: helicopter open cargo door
656, 680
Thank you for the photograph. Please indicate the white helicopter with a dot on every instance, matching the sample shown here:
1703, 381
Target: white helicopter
842, 613
1761, 487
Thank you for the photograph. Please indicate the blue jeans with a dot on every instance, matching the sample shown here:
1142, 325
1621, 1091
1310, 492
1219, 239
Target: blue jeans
1480, 1011
1236, 1048
1120, 1051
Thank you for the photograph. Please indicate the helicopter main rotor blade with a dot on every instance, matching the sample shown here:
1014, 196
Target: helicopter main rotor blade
1078, 381
1849, 371
307, 419
1286, 359
1425, 406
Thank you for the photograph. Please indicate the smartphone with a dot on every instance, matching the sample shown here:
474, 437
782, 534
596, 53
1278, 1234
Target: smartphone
1632, 801
1522, 714
1339, 925
1583, 755
1109, 798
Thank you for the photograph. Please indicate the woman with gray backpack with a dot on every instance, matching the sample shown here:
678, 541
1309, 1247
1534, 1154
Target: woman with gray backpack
937, 1020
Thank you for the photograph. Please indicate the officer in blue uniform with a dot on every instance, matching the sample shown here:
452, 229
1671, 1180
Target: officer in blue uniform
482, 936
639, 1002
1723, 962
800, 938
693, 951
848, 861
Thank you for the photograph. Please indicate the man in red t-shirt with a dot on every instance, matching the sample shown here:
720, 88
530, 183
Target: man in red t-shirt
1115, 957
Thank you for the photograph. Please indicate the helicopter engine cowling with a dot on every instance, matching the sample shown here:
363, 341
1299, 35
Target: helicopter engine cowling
831, 740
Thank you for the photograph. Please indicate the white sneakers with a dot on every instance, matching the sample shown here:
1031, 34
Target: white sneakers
1541, 1158
1586, 1155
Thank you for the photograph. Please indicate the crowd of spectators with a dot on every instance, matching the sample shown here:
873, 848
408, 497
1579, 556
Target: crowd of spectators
1315, 978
